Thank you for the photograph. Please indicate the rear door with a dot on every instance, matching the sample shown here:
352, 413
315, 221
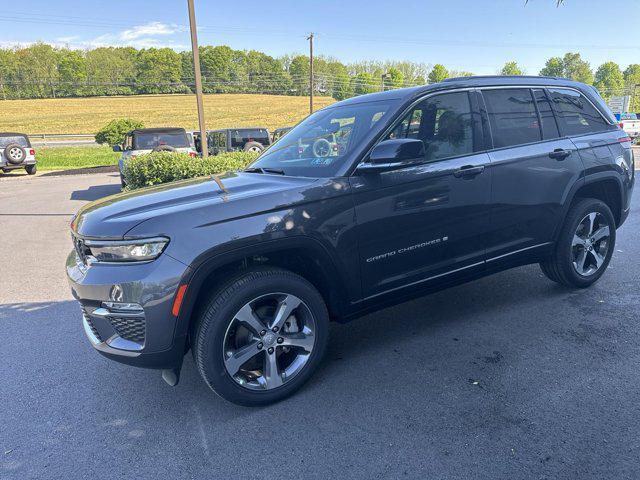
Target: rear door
533, 170
428, 220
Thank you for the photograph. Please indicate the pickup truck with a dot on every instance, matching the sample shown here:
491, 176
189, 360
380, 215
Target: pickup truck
631, 125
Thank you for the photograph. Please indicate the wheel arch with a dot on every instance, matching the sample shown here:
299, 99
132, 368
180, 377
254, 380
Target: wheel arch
304, 256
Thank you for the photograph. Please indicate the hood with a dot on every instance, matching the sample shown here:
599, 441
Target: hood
114, 216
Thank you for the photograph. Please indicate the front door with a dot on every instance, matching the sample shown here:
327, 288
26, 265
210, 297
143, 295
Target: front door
426, 220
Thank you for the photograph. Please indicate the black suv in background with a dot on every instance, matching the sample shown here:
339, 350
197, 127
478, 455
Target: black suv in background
238, 139
428, 187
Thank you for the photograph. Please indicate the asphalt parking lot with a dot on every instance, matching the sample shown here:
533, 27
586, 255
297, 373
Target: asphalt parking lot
507, 377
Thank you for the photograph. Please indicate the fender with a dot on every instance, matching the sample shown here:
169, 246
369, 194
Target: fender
583, 182
215, 258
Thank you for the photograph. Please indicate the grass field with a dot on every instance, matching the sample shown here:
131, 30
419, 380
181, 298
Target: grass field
67, 158
87, 115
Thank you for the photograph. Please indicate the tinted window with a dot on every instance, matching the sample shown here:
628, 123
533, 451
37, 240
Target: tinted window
147, 141
444, 123
549, 125
576, 115
512, 116
240, 137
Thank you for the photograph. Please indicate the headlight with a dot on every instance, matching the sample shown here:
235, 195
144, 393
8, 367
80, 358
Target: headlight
142, 250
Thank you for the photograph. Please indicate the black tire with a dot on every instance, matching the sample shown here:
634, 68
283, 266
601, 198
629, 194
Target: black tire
14, 154
560, 266
164, 148
31, 169
253, 147
213, 321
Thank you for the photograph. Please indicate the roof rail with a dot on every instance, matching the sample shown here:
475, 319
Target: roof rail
473, 77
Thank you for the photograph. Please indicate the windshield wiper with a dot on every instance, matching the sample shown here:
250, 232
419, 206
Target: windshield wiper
277, 171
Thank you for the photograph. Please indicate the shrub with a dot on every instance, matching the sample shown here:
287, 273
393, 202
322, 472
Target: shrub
162, 167
113, 132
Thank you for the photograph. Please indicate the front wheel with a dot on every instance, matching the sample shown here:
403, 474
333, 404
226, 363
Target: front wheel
585, 245
261, 336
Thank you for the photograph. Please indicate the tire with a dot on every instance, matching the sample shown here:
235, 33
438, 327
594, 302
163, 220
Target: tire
15, 154
218, 330
578, 259
31, 169
253, 147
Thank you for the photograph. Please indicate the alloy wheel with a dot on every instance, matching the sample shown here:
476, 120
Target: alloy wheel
269, 341
590, 244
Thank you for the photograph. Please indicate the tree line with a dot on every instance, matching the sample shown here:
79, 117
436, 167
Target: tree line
45, 71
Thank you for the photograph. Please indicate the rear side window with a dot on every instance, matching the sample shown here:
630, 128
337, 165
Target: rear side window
240, 137
576, 115
444, 123
512, 116
549, 125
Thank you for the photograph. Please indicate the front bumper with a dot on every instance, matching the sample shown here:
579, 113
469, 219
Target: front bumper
145, 334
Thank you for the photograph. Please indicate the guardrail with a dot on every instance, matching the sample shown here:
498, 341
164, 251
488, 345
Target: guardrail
45, 136
62, 139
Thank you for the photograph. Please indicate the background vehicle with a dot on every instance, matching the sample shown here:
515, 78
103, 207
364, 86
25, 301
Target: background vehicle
631, 125
279, 133
433, 186
16, 152
238, 139
147, 140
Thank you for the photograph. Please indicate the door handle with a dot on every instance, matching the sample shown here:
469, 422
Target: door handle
468, 171
559, 154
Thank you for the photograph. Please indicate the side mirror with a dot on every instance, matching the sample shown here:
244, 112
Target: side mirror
393, 154
117, 148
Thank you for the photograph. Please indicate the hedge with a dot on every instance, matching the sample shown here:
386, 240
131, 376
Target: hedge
162, 167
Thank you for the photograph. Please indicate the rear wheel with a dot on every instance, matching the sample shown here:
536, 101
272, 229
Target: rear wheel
31, 169
261, 336
584, 247
254, 147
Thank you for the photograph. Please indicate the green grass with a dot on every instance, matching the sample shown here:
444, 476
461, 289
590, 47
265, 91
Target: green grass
68, 158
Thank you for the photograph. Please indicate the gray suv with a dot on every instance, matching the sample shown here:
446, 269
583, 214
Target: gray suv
427, 187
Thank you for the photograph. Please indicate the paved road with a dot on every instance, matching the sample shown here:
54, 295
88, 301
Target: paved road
507, 377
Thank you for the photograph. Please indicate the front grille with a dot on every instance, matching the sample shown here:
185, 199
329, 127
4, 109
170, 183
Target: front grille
129, 328
92, 327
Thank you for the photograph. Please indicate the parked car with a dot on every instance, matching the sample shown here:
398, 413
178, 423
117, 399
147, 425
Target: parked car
278, 133
147, 140
16, 152
238, 139
631, 125
434, 186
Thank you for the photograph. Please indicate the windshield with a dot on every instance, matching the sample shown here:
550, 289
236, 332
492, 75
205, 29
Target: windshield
318, 146
149, 141
19, 139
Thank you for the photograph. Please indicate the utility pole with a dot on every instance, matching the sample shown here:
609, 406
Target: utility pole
383, 77
310, 38
198, 79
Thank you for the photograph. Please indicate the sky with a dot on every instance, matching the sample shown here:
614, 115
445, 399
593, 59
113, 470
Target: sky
472, 35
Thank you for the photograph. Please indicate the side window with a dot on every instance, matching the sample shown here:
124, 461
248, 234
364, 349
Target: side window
576, 115
444, 123
512, 116
549, 125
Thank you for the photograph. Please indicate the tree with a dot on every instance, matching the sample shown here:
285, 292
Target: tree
553, 68
113, 133
158, 70
72, 70
396, 78
438, 73
632, 84
511, 68
609, 79
570, 66
364, 83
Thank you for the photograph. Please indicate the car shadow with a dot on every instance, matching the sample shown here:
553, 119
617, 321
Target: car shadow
95, 192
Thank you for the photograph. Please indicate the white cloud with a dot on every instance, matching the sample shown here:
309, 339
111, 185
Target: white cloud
151, 29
